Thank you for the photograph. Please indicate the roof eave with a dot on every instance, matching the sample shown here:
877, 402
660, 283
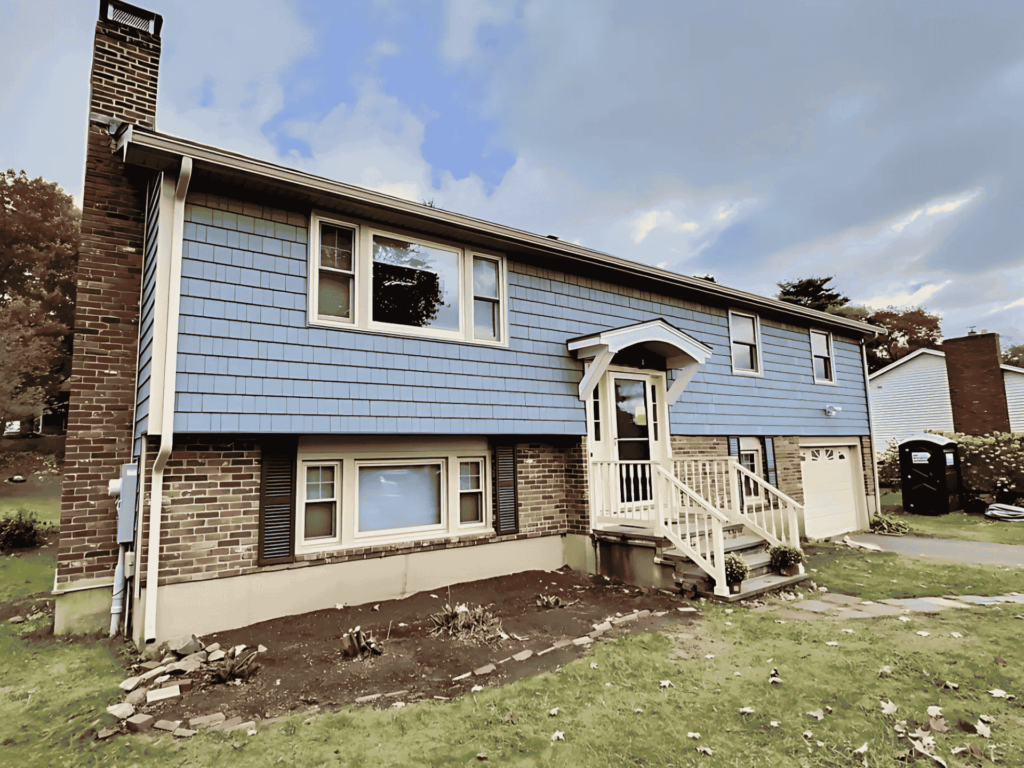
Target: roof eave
162, 152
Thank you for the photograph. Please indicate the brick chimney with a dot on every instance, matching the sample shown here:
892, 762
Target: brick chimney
976, 389
126, 57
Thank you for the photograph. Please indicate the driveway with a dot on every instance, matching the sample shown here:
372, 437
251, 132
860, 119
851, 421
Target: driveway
952, 550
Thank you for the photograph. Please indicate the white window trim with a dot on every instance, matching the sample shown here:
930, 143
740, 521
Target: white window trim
320, 541
484, 493
757, 345
831, 356
313, 264
362, 299
348, 461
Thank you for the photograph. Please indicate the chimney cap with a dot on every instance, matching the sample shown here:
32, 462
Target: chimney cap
131, 15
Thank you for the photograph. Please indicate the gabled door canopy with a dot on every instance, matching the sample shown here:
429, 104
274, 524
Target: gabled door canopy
683, 354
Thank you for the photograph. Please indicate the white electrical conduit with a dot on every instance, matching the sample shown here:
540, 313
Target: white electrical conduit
167, 428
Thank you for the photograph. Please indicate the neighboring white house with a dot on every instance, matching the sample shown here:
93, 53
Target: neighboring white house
912, 395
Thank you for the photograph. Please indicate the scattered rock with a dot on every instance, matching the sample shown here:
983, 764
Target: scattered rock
105, 733
188, 646
206, 721
167, 725
136, 697
585, 640
370, 697
163, 694
183, 733
140, 723
484, 670
395, 694
217, 655
130, 684
16, 620
643, 614
212, 647
121, 711
237, 650
522, 655
228, 724
152, 674
261, 649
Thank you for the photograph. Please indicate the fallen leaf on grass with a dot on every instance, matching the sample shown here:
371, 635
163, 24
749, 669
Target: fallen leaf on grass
558, 736
593, 665
1000, 661
832, 643
511, 718
921, 750
998, 693
983, 730
934, 711
923, 634
938, 725
552, 712
481, 756
951, 686
955, 634
780, 621
886, 670
710, 656
693, 735
957, 750
924, 737
986, 718
705, 751
773, 723
476, 689
807, 734
904, 618
849, 632
746, 710
666, 684
862, 749
638, 711
819, 714
888, 708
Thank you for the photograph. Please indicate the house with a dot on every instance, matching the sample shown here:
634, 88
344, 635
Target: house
962, 388
317, 394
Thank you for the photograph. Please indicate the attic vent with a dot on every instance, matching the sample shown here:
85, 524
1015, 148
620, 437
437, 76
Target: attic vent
129, 15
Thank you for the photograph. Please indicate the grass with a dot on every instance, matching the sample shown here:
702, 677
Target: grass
960, 525
40, 494
53, 691
27, 573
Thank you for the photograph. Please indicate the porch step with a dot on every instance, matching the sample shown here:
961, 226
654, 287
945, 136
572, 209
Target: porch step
756, 558
746, 541
755, 586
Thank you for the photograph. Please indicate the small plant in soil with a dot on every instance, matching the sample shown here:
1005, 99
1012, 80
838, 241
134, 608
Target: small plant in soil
889, 524
23, 531
735, 569
553, 601
465, 623
242, 667
785, 556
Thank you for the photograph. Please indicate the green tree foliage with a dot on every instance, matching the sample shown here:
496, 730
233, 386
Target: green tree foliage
1014, 356
39, 236
812, 292
909, 330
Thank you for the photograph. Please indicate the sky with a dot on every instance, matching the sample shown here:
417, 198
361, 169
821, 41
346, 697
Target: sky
759, 142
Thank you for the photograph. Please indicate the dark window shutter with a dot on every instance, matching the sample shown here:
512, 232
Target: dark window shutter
277, 502
768, 451
506, 515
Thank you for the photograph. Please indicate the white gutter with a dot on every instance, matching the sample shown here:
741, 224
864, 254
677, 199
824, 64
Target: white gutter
166, 404
871, 428
171, 147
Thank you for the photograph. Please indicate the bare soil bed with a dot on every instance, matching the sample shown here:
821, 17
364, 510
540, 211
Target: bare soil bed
304, 666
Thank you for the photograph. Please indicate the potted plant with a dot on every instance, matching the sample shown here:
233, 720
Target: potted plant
735, 572
786, 559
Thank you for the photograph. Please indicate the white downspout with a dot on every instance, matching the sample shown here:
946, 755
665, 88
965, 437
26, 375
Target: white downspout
167, 401
871, 429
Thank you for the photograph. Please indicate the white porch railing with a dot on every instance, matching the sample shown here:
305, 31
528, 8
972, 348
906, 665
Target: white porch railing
690, 505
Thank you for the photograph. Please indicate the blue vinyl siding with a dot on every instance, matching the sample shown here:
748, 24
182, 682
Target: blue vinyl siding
147, 302
247, 361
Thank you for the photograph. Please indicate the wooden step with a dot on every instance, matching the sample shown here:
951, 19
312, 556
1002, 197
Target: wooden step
739, 544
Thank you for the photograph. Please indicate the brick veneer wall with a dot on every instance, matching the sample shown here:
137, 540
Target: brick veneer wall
552, 488
99, 439
977, 392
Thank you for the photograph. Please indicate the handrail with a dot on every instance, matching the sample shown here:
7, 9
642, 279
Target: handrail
771, 488
784, 530
701, 502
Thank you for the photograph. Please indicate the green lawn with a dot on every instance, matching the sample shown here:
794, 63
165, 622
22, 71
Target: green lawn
54, 690
27, 573
40, 495
959, 525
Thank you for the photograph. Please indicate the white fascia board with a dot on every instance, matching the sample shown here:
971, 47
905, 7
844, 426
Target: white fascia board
906, 359
172, 147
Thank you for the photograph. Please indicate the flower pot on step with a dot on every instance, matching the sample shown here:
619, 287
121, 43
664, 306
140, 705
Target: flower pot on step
790, 570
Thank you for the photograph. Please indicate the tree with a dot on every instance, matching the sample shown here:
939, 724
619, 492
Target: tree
1014, 356
39, 236
812, 292
909, 330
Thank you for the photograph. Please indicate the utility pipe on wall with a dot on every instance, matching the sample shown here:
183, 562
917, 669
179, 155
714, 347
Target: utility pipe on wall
167, 401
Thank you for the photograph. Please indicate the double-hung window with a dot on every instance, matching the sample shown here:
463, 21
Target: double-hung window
322, 502
822, 358
745, 338
398, 284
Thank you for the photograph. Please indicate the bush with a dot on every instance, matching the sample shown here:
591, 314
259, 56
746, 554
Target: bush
23, 531
889, 524
735, 569
889, 468
785, 556
991, 464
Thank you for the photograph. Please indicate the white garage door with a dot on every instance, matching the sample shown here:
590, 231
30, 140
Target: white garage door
830, 491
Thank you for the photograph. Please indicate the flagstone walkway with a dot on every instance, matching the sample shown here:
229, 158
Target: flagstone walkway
837, 606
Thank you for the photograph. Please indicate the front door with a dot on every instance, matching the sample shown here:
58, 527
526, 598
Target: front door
633, 414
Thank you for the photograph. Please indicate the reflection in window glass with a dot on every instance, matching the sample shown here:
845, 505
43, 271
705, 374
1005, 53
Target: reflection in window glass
415, 284
392, 497
321, 503
471, 507
336, 273
486, 299
744, 343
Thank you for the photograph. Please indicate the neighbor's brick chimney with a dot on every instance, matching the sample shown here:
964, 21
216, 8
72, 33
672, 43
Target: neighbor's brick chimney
126, 58
976, 389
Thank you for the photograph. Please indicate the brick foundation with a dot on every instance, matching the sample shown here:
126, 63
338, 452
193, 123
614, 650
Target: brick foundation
99, 439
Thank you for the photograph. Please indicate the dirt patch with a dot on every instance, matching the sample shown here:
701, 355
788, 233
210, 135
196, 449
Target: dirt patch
304, 665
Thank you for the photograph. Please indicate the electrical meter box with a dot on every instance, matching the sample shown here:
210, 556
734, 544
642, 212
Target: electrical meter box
126, 503
929, 474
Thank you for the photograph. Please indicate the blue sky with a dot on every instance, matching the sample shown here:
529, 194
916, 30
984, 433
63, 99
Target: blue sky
880, 142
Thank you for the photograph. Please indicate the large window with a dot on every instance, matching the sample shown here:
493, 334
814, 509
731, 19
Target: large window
353, 497
393, 283
821, 356
745, 338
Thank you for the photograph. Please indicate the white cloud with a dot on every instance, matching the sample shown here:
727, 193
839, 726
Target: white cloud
462, 20
386, 48
1011, 305
903, 298
643, 223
